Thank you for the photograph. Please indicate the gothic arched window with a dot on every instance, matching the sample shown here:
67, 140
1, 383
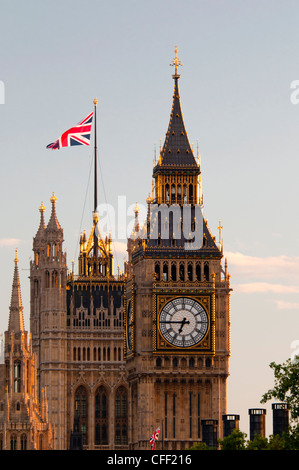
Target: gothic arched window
17, 377
173, 272
81, 411
206, 272
165, 272
54, 279
208, 362
157, 271
185, 194
182, 272
172, 193
101, 417
54, 250
179, 196
198, 271
47, 279
190, 272
121, 416
23, 442
13, 442
167, 193
158, 362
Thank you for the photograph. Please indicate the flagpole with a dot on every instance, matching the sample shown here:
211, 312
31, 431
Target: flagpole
95, 102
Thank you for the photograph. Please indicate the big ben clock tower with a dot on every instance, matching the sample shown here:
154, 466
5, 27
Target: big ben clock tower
177, 321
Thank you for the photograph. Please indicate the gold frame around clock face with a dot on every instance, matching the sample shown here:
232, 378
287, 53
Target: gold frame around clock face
183, 322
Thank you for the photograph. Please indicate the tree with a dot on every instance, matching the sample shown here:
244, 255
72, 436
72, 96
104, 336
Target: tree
286, 386
278, 442
200, 446
286, 389
258, 443
235, 441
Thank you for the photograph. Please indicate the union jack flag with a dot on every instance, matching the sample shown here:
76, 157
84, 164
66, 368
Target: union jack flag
154, 438
77, 135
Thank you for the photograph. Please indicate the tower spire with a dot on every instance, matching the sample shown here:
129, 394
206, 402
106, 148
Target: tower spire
42, 225
53, 223
16, 320
176, 152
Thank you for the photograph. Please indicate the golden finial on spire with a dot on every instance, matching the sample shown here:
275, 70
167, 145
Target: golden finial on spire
136, 209
176, 62
220, 227
42, 207
95, 101
53, 199
16, 257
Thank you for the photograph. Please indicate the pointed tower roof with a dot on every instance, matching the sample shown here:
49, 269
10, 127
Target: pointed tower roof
16, 320
53, 223
176, 153
42, 225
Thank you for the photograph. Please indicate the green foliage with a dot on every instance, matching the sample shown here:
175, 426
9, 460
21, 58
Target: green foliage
277, 443
199, 446
235, 441
291, 438
258, 443
286, 386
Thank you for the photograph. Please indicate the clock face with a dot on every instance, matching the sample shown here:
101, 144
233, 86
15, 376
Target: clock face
129, 325
183, 322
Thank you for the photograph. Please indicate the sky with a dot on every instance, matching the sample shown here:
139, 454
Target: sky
240, 64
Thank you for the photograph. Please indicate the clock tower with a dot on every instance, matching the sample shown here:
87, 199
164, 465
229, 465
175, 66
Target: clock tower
177, 321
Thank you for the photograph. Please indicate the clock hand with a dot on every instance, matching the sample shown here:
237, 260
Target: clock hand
174, 321
183, 322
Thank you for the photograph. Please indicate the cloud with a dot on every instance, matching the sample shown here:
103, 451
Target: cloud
263, 287
9, 242
284, 305
272, 274
271, 266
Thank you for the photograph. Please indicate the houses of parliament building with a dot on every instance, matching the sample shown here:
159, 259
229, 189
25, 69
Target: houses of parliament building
111, 358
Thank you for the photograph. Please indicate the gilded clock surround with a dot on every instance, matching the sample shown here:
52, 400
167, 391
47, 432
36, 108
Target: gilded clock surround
183, 322
205, 346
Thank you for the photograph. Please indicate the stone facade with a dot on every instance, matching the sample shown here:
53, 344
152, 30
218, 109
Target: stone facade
24, 423
77, 324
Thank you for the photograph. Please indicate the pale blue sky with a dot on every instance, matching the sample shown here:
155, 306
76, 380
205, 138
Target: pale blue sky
239, 59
